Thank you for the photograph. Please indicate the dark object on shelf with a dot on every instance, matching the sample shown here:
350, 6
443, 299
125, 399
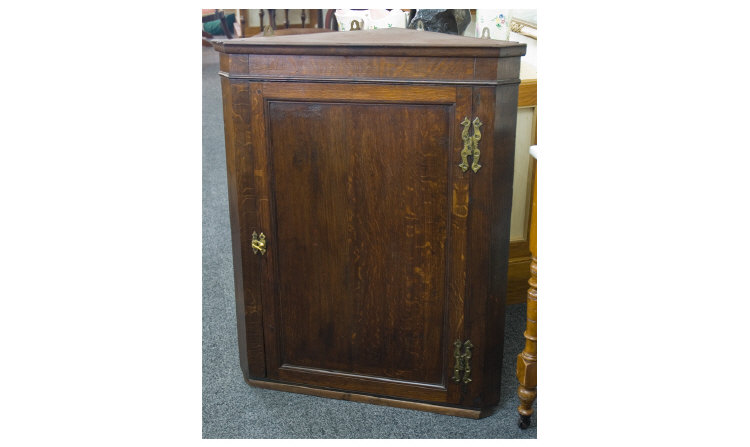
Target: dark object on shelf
449, 21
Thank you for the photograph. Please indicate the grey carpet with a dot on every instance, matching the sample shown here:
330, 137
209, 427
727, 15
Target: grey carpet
232, 409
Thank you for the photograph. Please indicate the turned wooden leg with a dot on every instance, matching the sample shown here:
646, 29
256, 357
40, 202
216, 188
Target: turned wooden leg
526, 363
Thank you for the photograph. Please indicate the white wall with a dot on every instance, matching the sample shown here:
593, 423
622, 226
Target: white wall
521, 169
528, 15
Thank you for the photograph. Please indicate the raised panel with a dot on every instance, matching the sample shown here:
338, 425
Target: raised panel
359, 292
361, 200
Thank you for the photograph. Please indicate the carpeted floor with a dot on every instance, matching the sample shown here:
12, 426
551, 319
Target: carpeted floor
232, 409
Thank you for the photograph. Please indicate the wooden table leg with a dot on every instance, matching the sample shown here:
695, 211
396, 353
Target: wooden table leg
526, 363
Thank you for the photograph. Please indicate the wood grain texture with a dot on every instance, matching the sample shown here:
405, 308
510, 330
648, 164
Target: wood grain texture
381, 251
224, 61
362, 67
489, 231
364, 398
264, 222
361, 234
509, 67
486, 68
458, 262
361, 93
366, 69
520, 250
238, 63
518, 280
383, 42
504, 128
527, 93
242, 214
519, 258
380, 385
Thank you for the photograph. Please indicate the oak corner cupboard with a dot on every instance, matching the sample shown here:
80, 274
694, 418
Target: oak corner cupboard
370, 179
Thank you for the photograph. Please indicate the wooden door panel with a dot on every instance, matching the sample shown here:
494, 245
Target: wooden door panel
360, 228
361, 261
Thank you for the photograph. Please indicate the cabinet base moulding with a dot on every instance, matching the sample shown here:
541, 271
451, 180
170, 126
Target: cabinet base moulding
367, 399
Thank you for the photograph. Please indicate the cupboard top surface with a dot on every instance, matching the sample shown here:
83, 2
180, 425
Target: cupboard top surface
384, 42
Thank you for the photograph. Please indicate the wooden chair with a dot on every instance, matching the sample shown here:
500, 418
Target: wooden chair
218, 14
272, 18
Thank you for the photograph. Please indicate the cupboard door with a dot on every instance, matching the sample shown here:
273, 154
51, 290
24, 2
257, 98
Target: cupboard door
363, 208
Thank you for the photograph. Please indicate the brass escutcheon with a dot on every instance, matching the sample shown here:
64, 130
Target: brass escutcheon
259, 243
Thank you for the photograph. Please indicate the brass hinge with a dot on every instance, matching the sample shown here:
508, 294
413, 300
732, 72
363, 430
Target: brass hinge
471, 145
463, 361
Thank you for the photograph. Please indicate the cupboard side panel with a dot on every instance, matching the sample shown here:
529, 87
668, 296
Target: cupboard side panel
506, 106
489, 222
489, 231
241, 213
